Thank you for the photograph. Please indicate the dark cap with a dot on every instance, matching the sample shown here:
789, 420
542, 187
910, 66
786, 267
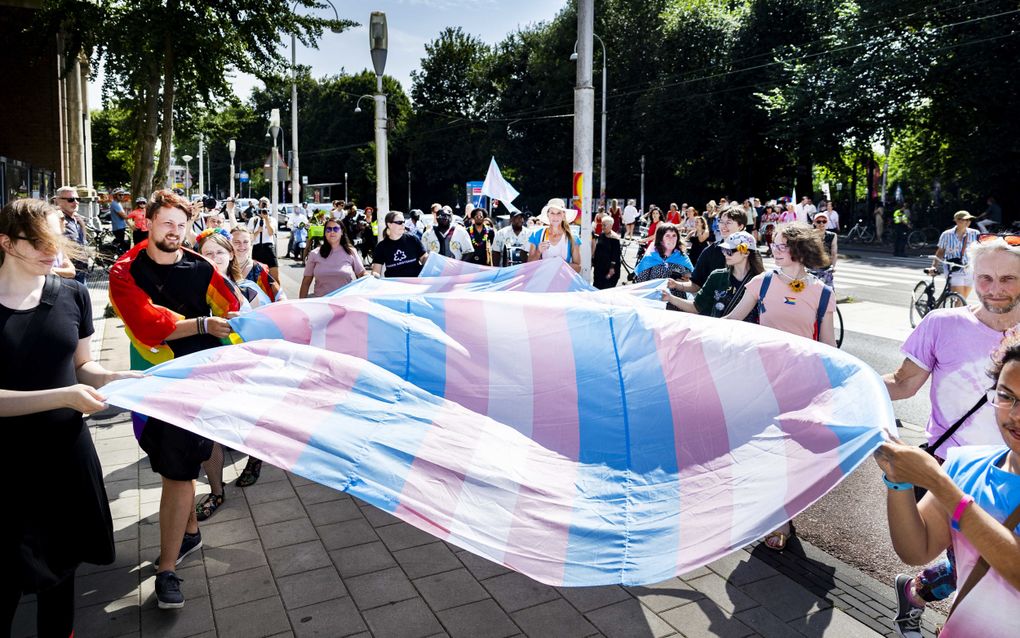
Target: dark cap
516, 213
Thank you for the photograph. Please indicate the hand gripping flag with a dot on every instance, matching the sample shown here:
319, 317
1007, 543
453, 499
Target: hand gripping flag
576, 437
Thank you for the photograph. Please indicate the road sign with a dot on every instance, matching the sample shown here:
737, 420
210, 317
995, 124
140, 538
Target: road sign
243, 176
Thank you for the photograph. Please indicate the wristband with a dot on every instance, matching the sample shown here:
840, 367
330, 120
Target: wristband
961, 507
198, 325
899, 487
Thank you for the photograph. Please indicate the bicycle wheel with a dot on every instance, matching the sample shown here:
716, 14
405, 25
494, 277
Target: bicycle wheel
867, 236
953, 300
917, 239
837, 326
921, 302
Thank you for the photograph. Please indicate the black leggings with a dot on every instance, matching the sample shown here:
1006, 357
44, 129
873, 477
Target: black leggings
54, 610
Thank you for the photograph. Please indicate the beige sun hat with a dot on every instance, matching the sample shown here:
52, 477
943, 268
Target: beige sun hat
556, 204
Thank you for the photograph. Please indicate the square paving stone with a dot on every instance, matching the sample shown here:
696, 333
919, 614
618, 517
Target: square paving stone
194, 586
337, 617
785, 598
482, 568
557, 615
515, 591
269, 473
362, 559
314, 493
196, 617
103, 587
704, 618
406, 619
287, 533
126, 557
298, 558
764, 623
482, 619
277, 511
722, 593
629, 619
377, 517
380, 588
450, 589
333, 512
426, 560
586, 599
401, 536
740, 568
271, 491
665, 595
264, 617
307, 588
347, 534
830, 623
115, 618
219, 534
233, 558
240, 587
297, 481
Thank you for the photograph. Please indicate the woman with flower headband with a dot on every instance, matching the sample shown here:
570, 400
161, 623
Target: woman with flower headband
252, 271
791, 299
724, 287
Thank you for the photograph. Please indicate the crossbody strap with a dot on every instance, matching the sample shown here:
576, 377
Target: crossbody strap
981, 567
761, 293
951, 430
823, 303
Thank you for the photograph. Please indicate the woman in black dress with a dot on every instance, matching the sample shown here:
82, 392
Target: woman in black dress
605, 257
47, 380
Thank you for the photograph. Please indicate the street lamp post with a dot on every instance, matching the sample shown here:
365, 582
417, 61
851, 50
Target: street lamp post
378, 41
201, 169
187, 173
602, 150
642, 184
584, 120
274, 131
347, 200
232, 147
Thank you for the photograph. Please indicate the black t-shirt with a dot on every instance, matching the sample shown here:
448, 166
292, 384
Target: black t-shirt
180, 287
399, 256
711, 258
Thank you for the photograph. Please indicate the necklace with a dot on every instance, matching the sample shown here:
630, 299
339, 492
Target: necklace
796, 284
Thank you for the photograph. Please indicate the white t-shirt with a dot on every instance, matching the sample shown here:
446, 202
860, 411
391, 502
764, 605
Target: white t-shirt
458, 242
506, 238
833, 220
630, 214
297, 218
259, 233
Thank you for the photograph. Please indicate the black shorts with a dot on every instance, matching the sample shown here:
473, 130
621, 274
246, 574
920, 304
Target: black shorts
265, 253
174, 453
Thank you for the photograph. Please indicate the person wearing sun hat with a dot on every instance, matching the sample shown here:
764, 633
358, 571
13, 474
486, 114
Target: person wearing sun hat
952, 250
555, 241
821, 223
724, 287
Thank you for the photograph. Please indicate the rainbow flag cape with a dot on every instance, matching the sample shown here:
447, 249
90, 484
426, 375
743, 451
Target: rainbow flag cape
581, 438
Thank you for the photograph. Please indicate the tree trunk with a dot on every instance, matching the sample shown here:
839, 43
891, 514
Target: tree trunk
167, 137
141, 177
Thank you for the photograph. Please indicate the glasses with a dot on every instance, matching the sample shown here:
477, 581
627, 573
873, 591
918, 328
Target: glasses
727, 252
821, 222
780, 248
70, 199
1012, 240
1001, 400
397, 221
332, 229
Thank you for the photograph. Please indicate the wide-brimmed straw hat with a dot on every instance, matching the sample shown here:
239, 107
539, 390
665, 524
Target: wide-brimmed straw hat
556, 204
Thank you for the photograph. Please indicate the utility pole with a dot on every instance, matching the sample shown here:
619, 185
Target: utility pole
378, 41
584, 124
642, 184
201, 166
232, 147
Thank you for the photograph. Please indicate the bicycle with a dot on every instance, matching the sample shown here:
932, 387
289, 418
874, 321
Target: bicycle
627, 266
923, 237
923, 299
102, 251
859, 233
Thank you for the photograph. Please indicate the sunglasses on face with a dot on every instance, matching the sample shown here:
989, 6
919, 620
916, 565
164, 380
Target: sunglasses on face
398, 221
727, 252
332, 229
1012, 240
821, 222
70, 199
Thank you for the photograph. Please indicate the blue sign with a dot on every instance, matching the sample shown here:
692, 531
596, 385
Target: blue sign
243, 176
474, 194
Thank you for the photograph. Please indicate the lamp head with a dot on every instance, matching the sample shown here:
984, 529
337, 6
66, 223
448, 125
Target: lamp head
357, 109
573, 56
186, 158
232, 146
274, 117
378, 40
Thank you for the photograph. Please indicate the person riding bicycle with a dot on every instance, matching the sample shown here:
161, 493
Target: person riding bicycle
953, 244
829, 239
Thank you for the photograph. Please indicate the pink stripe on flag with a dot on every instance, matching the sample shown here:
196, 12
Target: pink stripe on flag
292, 323
808, 445
180, 397
467, 375
326, 385
347, 331
702, 444
554, 380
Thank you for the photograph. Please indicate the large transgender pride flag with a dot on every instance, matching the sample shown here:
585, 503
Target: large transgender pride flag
581, 437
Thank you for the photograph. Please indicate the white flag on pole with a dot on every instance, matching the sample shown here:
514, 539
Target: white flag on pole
495, 187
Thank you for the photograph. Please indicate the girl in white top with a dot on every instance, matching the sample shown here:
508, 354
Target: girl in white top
953, 244
556, 241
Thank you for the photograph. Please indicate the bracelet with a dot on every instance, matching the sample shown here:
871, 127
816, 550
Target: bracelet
198, 325
899, 487
961, 507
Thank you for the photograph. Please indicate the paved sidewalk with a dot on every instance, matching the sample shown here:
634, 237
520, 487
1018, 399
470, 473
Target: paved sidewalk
287, 557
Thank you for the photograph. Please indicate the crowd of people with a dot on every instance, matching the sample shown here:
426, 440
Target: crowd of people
190, 270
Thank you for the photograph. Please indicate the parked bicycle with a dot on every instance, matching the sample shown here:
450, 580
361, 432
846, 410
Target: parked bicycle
923, 237
101, 249
924, 300
860, 233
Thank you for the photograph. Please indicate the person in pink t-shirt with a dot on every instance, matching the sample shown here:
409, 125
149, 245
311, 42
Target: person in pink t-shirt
332, 265
951, 347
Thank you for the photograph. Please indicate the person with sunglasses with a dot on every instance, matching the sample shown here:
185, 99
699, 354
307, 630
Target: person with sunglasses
952, 249
951, 346
724, 288
398, 254
971, 510
74, 227
821, 223
332, 265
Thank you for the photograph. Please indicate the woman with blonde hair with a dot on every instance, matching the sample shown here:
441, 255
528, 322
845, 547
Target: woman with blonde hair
555, 240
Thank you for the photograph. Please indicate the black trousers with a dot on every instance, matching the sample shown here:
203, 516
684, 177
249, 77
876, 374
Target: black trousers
54, 608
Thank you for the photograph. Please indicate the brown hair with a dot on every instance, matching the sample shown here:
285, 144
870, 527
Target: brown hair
736, 213
805, 244
166, 198
345, 242
233, 269
660, 233
26, 219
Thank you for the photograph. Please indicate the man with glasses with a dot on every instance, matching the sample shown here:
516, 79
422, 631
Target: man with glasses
951, 346
821, 222
74, 225
731, 220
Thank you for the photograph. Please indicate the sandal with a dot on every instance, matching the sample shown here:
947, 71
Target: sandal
250, 474
776, 541
208, 506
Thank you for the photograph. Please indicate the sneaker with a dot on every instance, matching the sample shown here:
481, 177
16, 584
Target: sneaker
908, 617
168, 591
190, 544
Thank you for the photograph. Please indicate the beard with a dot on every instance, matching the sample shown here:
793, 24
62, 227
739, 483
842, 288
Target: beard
1000, 310
168, 244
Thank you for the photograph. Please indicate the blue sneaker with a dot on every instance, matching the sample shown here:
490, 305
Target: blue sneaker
908, 618
168, 591
190, 544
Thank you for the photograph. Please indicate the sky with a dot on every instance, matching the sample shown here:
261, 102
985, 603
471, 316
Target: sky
411, 24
